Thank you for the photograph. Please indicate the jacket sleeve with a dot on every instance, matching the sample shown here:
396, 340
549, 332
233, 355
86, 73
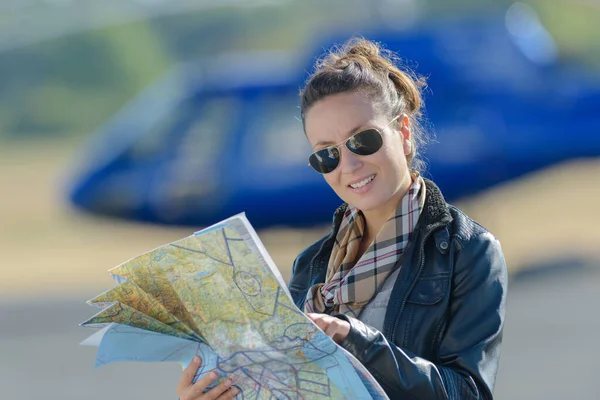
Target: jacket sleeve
469, 350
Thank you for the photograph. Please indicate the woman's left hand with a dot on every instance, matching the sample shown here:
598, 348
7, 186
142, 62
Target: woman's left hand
333, 327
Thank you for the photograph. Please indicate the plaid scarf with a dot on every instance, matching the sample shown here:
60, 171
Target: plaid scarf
350, 284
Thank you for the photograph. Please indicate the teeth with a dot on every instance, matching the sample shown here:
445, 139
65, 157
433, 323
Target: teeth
363, 182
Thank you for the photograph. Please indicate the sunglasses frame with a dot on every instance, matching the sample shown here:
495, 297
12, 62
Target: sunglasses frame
344, 142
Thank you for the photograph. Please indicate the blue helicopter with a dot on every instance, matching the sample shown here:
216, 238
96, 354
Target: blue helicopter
217, 137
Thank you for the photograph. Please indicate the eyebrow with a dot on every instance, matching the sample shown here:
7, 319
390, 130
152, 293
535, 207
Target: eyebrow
329, 143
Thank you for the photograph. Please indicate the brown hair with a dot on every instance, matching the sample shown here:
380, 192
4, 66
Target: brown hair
364, 66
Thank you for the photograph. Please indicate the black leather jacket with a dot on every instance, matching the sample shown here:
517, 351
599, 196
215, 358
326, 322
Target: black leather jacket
443, 325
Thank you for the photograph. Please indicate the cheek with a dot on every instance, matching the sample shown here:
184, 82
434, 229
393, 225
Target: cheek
331, 178
393, 159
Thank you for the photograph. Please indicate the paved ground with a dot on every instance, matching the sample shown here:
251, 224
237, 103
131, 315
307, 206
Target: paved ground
550, 348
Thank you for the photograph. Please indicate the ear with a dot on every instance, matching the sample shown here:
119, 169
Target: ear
406, 134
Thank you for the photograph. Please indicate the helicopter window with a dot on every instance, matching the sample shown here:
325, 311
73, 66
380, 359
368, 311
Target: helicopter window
191, 172
159, 136
194, 130
277, 132
207, 133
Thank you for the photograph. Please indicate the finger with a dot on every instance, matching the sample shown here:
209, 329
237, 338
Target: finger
188, 374
331, 330
319, 320
335, 332
312, 315
315, 316
338, 330
202, 383
230, 394
218, 390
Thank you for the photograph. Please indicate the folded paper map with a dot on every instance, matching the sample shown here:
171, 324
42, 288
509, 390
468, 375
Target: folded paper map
218, 294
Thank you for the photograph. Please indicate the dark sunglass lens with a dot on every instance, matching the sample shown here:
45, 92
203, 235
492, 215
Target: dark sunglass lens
325, 160
365, 143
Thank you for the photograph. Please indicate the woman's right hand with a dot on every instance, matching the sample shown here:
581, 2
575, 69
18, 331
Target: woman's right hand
187, 390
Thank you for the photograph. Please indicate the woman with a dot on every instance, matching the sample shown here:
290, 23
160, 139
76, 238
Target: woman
407, 283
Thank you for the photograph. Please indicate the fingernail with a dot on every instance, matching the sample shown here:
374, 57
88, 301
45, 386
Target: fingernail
213, 374
235, 390
229, 382
196, 360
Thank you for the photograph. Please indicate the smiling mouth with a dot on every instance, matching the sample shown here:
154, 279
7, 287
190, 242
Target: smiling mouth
362, 183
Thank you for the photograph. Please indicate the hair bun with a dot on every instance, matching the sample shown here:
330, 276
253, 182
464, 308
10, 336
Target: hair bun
365, 52
362, 47
370, 55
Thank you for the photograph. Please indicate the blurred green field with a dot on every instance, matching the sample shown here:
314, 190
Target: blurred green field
50, 250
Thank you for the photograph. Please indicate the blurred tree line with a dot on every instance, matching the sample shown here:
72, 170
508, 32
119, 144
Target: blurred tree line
69, 86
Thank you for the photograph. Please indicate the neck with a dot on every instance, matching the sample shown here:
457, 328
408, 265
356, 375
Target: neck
374, 219
373, 224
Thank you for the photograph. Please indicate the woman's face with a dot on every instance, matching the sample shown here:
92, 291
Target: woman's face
334, 119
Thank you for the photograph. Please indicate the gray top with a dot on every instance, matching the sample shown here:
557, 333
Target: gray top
373, 313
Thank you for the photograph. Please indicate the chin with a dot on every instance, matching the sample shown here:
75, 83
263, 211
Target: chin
366, 204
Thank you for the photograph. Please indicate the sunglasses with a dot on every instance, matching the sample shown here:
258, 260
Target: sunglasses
363, 143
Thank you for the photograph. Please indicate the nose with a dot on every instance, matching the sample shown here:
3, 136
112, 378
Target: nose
349, 162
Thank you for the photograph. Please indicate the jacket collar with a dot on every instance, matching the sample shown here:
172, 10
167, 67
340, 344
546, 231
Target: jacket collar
435, 211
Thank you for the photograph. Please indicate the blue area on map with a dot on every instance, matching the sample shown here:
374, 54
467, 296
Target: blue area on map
324, 352
126, 343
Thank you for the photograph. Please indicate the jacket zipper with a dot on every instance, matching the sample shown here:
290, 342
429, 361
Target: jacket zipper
416, 279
